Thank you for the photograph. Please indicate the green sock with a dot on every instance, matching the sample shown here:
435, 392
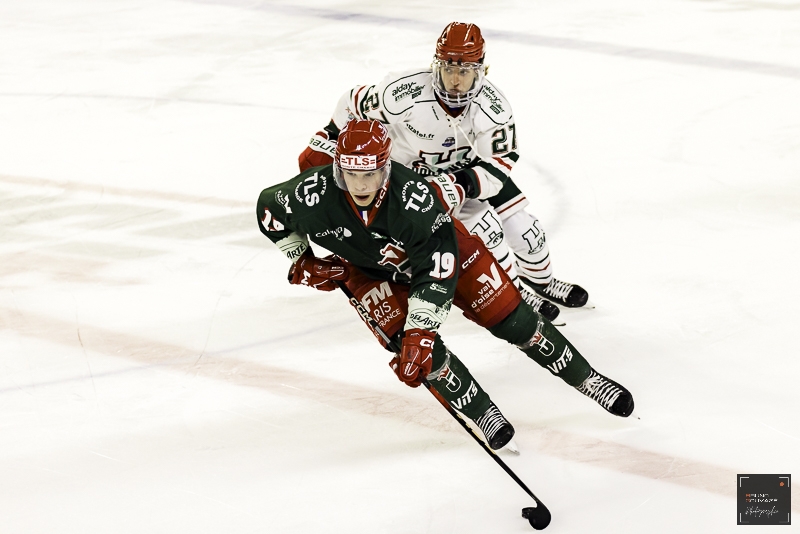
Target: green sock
543, 343
456, 384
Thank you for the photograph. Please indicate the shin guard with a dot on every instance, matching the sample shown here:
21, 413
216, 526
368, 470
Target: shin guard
543, 343
453, 381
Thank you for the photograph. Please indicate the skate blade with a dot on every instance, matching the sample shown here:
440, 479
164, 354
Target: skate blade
511, 447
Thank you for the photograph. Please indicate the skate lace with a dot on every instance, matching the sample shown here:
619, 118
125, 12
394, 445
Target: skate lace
534, 301
558, 289
490, 422
598, 388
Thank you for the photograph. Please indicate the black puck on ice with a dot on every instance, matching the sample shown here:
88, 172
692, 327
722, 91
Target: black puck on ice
538, 517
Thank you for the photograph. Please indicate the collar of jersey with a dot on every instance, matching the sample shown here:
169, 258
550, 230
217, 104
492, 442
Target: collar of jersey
372, 211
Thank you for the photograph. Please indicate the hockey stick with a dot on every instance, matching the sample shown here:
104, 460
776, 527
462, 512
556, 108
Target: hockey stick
538, 516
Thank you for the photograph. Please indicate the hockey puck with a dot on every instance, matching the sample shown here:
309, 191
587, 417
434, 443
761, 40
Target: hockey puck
538, 517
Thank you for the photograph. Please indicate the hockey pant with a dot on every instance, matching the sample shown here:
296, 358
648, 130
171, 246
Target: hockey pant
486, 296
513, 235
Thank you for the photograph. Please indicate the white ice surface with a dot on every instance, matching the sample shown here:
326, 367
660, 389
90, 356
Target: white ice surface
157, 373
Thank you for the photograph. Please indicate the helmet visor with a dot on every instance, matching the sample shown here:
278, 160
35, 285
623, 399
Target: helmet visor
457, 83
361, 182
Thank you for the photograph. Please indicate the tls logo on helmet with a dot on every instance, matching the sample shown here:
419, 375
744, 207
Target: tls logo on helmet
358, 163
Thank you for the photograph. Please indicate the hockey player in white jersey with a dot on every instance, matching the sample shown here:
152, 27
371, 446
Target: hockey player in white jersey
454, 126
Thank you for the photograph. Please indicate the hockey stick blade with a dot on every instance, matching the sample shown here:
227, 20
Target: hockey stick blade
538, 517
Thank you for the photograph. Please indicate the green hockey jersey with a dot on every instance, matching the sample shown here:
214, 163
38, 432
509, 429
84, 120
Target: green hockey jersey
407, 237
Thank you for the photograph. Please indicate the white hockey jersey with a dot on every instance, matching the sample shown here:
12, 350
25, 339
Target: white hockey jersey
480, 143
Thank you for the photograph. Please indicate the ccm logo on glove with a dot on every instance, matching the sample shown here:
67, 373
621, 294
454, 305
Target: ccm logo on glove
414, 363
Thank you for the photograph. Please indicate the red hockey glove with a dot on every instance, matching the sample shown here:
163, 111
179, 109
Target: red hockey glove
313, 158
450, 193
416, 357
319, 273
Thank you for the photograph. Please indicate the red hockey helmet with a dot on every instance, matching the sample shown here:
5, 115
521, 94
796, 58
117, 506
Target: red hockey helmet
461, 43
458, 68
362, 151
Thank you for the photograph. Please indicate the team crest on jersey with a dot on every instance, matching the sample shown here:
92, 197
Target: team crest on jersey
450, 141
394, 255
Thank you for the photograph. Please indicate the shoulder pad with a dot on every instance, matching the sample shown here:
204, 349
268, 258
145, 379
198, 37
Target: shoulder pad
494, 104
400, 91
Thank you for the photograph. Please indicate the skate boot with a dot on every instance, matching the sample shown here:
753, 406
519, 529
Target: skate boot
495, 427
608, 394
548, 310
569, 295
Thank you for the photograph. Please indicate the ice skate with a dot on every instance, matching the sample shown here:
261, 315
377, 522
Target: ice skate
608, 394
496, 428
547, 309
569, 295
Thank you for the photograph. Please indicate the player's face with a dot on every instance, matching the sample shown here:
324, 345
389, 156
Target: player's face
363, 185
457, 78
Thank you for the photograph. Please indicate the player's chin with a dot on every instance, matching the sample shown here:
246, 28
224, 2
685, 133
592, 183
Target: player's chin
363, 200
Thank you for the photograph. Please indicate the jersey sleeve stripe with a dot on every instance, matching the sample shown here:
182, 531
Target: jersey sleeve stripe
494, 171
508, 206
356, 108
503, 163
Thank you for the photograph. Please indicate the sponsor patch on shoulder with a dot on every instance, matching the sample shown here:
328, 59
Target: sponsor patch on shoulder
439, 288
417, 196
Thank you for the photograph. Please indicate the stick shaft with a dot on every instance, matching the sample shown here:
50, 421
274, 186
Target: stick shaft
375, 327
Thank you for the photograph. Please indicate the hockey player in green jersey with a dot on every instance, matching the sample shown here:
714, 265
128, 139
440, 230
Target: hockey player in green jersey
407, 261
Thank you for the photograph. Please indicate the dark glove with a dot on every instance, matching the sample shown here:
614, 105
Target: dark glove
414, 363
319, 273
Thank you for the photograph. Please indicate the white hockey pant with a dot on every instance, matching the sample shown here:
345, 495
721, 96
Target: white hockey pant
525, 237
